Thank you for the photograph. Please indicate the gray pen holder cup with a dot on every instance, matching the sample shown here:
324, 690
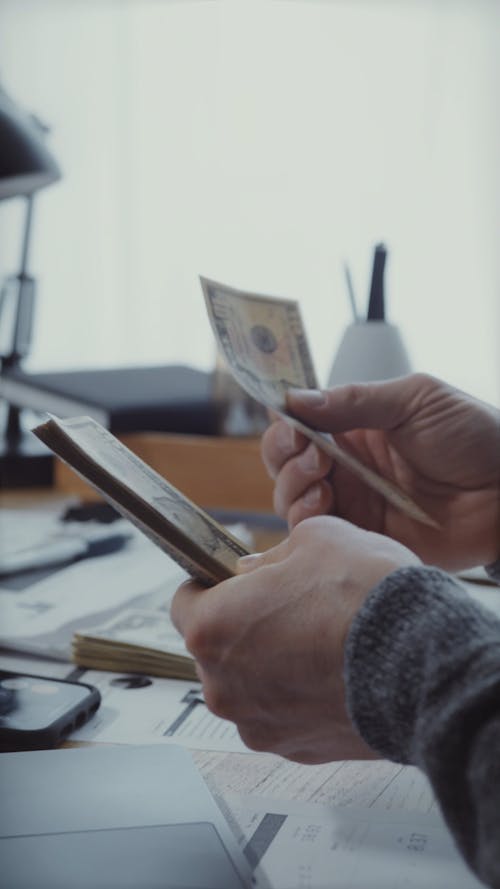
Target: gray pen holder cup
369, 350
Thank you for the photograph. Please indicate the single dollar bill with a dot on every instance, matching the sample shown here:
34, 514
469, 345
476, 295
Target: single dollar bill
264, 343
262, 340
203, 547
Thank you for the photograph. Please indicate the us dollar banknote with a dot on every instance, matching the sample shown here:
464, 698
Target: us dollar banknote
262, 340
264, 343
203, 547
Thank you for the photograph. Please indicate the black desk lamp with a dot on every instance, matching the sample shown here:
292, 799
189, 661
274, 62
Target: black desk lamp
25, 166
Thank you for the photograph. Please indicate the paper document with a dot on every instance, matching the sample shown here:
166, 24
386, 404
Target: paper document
33, 539
375, 784
41, 618
352, 824
139, 709
302, 846
36, 666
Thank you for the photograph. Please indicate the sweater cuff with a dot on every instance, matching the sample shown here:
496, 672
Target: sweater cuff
414, 626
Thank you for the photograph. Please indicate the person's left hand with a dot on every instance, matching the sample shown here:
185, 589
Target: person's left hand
269, 643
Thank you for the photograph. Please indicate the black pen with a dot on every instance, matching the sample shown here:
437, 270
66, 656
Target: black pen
376, 302
60, 551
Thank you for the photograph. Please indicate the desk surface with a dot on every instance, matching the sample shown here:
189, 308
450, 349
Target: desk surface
261, 792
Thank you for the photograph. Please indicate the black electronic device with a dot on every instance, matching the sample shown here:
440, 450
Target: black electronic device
162, 398
37, 712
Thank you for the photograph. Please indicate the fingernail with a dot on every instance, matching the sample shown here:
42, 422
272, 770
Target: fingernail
307, 397
312, 496
247, 563
309, 460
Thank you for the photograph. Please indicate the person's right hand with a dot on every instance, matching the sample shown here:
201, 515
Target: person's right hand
436, 443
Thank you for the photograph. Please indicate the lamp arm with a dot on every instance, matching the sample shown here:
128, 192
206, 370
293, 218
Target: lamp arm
17, 303
28, 223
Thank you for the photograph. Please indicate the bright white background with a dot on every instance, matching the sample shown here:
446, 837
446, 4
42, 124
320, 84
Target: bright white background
261, 144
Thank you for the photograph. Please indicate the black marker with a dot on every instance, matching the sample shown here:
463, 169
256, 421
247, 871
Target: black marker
61, 551
376, 308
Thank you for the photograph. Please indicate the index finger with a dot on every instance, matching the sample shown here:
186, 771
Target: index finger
381, 405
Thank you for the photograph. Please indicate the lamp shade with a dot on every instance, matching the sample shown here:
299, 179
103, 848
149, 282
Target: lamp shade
25, 163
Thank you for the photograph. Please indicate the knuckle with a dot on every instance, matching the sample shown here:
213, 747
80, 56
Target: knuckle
276, 446
279, 501
296, 514
425, 382
210, 632
200, 641
217, 700
267, 452
421, 378
355, 394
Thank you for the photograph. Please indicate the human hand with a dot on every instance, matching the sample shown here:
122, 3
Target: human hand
269, 643
439, 445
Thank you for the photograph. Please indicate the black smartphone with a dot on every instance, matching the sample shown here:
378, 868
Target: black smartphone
37, 712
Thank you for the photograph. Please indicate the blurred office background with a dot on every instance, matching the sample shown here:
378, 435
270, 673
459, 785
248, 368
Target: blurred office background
261, 144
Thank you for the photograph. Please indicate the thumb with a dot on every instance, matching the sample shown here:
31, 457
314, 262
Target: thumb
277, 553
383, 405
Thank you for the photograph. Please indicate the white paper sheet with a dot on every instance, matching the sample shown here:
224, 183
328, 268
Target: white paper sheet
22, 663
306, 846
22, 529
377, 784
148, 710
41, 618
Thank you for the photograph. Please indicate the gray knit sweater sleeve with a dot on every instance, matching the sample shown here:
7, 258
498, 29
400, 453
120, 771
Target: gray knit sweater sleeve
494, 571
422, 672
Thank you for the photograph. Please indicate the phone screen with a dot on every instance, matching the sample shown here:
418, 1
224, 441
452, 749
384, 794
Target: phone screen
40, 712
31, 703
